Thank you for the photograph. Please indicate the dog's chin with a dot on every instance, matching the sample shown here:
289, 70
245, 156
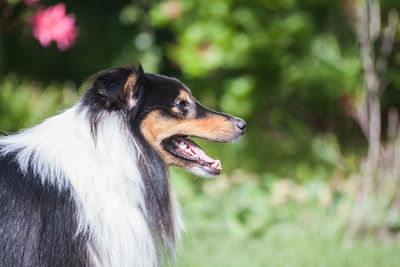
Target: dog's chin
202, 171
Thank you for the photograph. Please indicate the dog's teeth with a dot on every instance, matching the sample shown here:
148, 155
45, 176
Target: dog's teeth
182, 145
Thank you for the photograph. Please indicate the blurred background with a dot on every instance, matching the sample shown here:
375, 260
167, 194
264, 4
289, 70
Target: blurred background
315, 179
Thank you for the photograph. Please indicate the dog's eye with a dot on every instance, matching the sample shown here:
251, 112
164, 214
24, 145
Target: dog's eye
182, 105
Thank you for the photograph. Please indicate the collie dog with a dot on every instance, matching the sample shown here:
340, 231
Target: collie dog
89, 187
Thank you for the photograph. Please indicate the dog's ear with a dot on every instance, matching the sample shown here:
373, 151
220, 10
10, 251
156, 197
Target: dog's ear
119, 86
130, 91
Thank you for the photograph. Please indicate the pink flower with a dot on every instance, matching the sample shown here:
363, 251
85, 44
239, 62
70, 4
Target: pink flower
52, 24
30, 2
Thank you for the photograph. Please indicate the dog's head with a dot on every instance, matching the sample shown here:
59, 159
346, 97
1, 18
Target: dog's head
164, 112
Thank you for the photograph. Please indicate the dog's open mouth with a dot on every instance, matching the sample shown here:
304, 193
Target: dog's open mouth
186, 149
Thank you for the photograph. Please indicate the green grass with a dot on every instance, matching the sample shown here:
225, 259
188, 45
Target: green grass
284, 245
237, 226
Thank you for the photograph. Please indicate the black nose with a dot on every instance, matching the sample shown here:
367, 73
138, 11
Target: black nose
241, 124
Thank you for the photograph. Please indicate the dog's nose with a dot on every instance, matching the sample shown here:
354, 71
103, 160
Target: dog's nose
241, 124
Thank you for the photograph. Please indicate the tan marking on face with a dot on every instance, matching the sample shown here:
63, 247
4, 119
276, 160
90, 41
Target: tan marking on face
183, 95
156, 127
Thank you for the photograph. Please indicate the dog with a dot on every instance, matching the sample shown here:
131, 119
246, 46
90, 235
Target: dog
89, 186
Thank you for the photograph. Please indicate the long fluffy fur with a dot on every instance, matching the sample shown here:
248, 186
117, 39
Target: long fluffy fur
104, 180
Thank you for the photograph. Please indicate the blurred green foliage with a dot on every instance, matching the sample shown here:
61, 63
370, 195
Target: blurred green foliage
291, 68
24, 102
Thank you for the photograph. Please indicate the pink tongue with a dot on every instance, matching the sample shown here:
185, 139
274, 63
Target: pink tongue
200, 152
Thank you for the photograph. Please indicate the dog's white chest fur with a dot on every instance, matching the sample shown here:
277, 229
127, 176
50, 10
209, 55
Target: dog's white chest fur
105, 179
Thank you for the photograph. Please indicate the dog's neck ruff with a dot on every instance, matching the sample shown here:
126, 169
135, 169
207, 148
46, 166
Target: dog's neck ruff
107, 185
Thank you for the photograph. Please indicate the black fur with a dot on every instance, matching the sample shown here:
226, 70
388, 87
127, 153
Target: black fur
37, 222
